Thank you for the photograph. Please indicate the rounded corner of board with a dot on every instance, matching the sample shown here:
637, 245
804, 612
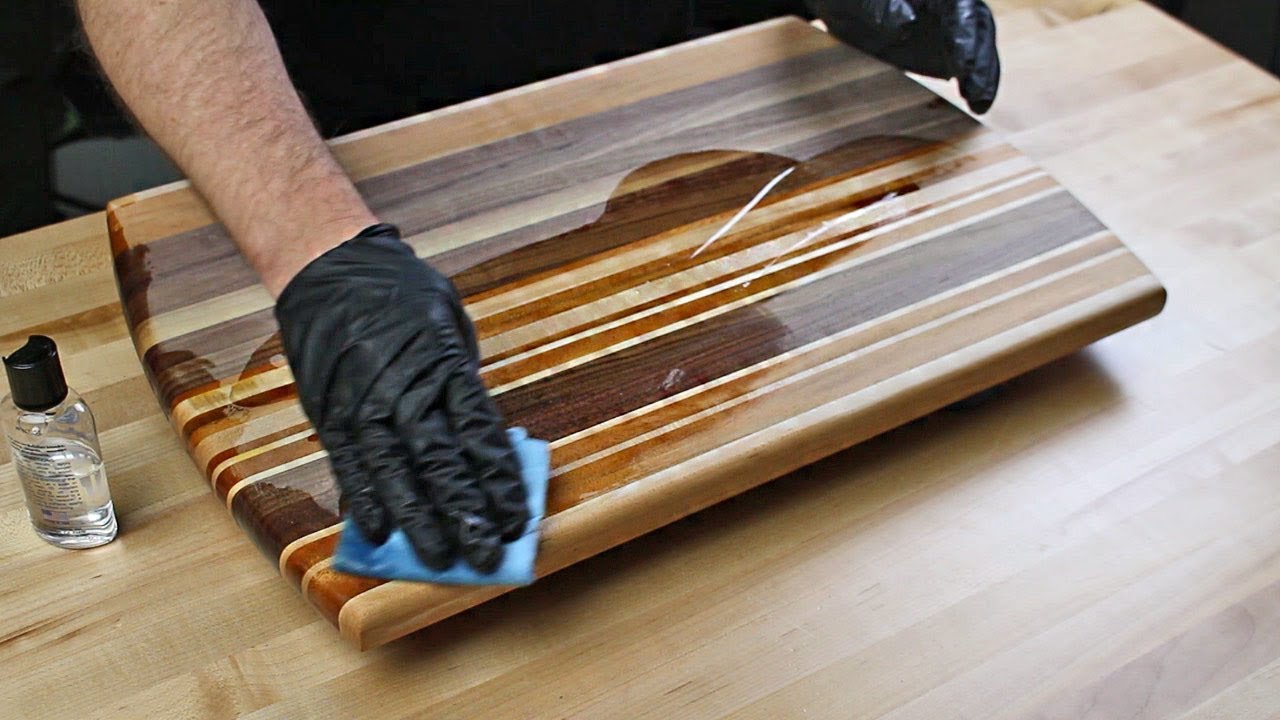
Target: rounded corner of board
115, 226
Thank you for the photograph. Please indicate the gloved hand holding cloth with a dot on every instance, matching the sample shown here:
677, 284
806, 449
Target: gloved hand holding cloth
387, 369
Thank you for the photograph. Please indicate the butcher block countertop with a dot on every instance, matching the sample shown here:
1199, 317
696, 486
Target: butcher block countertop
1097, 540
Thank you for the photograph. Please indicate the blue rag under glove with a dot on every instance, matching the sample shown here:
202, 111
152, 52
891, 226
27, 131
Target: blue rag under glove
396, 560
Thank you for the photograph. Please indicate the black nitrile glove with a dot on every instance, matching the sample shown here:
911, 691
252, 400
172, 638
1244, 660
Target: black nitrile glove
387, 369
938, 38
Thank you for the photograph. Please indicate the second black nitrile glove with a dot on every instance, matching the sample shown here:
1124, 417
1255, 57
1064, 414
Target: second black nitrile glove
938, 38
387, 370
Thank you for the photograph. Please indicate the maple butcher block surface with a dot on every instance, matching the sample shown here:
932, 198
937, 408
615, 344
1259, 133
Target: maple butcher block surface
691, 272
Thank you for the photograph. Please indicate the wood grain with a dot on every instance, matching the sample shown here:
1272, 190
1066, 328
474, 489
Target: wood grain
771, 264
1100, 535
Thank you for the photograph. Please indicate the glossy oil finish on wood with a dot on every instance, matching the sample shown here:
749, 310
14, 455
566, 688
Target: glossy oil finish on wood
772, 261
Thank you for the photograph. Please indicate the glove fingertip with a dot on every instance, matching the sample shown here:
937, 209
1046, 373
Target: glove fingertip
514, 522
980, 84
978, 96
484, 555
430, 545
479, 542
980, 106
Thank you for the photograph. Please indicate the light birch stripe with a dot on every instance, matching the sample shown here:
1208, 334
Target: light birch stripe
305, 540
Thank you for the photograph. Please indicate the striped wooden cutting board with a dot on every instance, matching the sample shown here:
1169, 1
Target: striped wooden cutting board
692, 272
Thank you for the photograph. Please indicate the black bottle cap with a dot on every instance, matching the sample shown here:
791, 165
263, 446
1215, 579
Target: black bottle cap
35, 374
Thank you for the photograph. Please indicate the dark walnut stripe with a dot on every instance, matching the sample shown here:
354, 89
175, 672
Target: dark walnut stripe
204, 261
643, 374
929, 121
278, 510
531, 165
703, 117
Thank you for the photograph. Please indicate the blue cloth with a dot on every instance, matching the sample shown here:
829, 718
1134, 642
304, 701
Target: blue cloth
396, 560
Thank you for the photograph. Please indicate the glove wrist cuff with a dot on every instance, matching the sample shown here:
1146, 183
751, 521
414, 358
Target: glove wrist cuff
382, 233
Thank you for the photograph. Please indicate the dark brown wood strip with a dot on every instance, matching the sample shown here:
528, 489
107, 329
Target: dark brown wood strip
278, 510
531, 165
207, 261
931, 121
637, 376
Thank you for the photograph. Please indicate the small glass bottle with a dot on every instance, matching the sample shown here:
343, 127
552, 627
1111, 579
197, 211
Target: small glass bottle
55, 450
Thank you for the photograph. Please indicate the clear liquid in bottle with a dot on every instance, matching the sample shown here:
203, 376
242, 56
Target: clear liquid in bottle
54, 443
66, 489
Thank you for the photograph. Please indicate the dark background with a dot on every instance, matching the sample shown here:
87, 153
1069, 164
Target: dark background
66, 147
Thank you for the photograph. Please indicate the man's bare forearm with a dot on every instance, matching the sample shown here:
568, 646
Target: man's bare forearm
206, 81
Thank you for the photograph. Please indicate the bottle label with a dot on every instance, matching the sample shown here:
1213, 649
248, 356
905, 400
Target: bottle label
54, 492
